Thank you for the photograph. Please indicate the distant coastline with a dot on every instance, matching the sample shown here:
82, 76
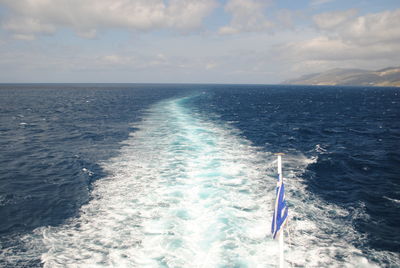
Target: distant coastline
351, 77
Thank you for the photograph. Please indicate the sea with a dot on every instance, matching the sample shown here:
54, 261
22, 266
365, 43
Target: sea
184, 175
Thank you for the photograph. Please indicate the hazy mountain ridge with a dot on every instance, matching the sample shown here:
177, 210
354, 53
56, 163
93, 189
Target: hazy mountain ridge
351, 77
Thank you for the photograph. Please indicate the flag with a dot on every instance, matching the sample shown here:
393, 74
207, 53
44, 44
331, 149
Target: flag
280, 208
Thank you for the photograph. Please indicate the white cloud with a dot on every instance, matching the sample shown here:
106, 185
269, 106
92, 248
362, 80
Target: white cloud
285, 18
320, 2
87, 33
28, 25
373, 28
26, 37
115, 59
87, 16
343, 40
211, 65
332, 20
290, 20
326, 49
338, 39
247, 16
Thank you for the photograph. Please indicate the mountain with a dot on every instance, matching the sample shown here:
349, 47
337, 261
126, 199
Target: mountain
351, 77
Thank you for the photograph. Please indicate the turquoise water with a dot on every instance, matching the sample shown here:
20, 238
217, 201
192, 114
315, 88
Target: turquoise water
186, 178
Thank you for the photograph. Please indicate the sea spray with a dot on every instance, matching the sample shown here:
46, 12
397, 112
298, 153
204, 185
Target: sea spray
185, 191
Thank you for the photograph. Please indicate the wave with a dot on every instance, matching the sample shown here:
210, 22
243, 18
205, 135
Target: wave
186, 191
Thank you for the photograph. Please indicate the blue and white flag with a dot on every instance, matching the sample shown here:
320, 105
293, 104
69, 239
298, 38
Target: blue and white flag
280, 209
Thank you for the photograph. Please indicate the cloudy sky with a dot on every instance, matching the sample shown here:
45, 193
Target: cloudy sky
194, 41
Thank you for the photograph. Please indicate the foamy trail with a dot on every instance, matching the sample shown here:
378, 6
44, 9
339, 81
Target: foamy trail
188, 192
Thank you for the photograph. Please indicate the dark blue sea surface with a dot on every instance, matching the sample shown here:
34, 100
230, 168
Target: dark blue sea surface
52, 138
354, 131
55, 139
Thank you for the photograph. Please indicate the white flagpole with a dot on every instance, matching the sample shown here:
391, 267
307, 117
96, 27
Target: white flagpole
281, 245
281, 258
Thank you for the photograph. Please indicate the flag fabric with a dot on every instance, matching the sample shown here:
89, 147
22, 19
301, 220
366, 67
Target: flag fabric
280, 209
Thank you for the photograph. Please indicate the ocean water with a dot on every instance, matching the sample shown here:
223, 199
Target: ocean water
131, 175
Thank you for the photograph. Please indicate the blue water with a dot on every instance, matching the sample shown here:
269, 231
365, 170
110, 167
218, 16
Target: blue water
184, 175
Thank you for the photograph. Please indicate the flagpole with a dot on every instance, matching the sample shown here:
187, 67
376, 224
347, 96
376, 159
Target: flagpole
281, 244
281, 257
280, 213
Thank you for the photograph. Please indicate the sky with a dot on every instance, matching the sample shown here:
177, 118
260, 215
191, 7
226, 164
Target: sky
193, 41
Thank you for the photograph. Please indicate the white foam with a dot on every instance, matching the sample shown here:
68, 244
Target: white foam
320, 149
396, 201
180, 193
187, 192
